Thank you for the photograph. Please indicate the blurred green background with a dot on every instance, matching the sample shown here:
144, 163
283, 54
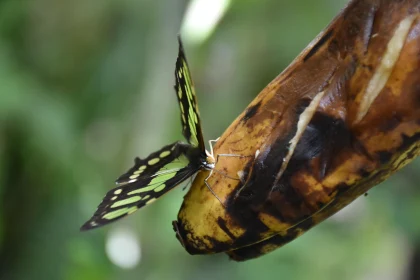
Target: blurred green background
87, 85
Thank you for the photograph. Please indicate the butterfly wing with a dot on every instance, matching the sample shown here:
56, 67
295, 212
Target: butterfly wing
160, 172
145, 168
184, 87
146, 181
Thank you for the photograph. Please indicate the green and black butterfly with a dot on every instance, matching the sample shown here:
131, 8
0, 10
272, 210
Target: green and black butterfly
163, 170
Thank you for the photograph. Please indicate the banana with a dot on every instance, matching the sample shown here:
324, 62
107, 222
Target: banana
343, 117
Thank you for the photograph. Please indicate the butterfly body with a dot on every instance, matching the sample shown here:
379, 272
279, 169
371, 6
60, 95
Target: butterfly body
203, 160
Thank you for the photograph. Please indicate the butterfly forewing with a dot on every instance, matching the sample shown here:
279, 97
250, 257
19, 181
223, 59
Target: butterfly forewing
146, 181
185, 92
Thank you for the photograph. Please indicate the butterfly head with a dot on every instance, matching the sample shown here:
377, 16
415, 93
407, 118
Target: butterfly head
210, 162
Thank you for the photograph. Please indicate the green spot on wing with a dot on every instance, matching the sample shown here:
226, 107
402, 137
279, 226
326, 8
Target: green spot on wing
115, 214
148, 188
153, 161
166, 173
161, 180
164, 154
126, 201
132, 210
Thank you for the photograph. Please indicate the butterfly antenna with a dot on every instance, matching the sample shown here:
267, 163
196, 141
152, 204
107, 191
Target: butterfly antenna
211, 145
223, 155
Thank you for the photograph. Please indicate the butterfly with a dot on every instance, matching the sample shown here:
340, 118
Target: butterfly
164, 169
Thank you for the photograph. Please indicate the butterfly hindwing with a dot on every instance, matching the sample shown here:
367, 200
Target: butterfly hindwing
144, 183
184, 87
153, 163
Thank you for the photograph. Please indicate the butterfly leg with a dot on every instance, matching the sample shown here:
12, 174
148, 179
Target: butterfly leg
222, 173
231, 155
224, 155
211, 190
211, 154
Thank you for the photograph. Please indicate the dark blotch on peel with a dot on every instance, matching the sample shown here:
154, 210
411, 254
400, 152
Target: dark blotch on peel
251, 111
